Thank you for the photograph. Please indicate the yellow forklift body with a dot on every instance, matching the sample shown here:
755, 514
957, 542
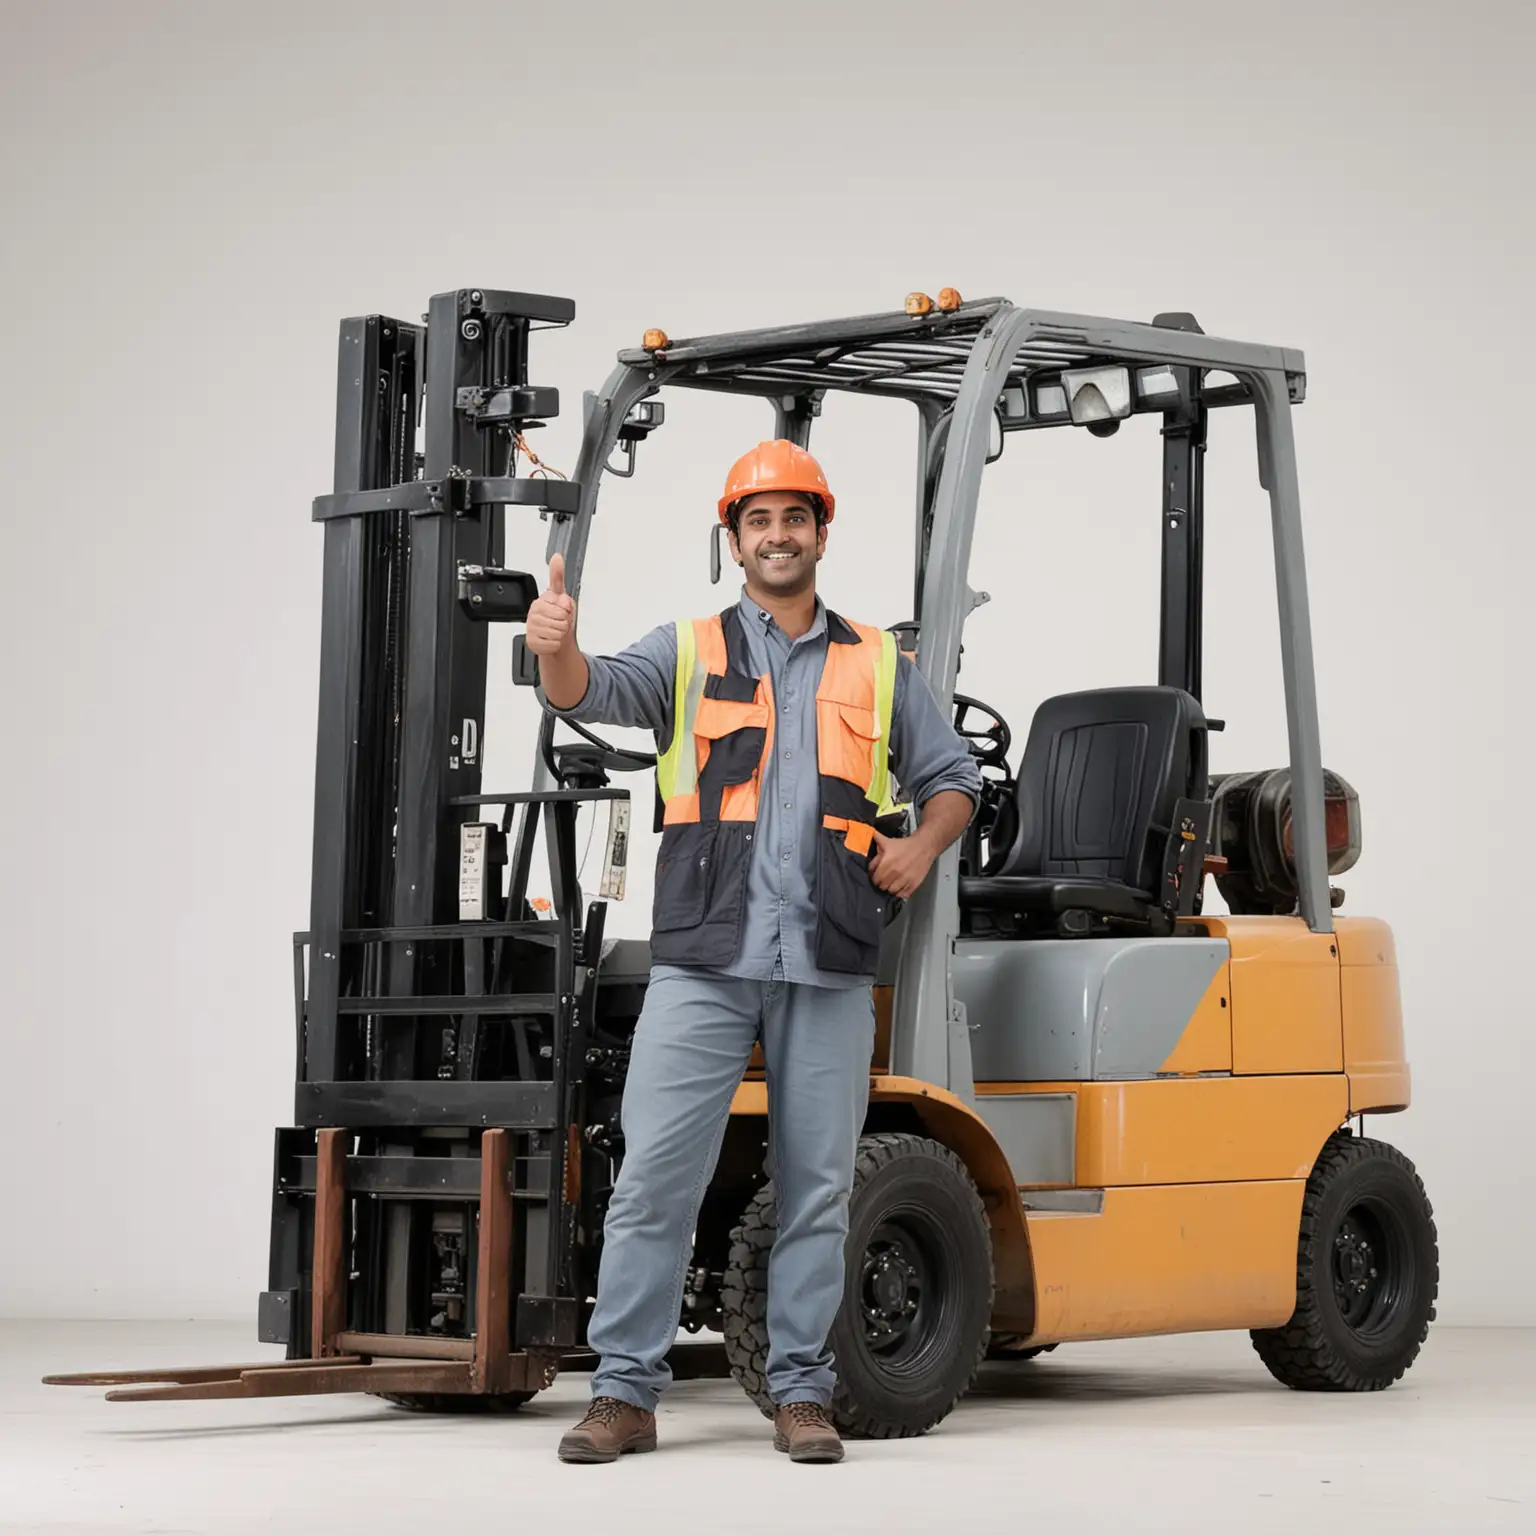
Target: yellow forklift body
1188, 1184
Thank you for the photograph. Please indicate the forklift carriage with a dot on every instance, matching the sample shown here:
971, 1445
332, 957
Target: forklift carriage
1095, 1110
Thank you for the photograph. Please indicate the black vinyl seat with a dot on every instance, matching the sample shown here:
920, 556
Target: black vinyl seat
1097, 791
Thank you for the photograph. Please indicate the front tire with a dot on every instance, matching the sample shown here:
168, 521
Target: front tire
912, 1328
1367, 1273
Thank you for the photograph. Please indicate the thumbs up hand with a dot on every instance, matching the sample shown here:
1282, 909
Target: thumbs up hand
551, 623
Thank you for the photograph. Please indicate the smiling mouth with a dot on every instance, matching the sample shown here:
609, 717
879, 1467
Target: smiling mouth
793, 554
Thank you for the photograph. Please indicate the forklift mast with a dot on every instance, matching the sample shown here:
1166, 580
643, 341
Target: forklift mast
426, 1194
438, 1200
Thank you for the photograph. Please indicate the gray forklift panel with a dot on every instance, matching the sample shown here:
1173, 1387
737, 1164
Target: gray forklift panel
1037, 1132
1079, 1010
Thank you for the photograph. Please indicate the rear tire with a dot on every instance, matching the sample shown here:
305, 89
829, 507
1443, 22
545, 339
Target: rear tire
457, 1402
1367, 1273
912, 1328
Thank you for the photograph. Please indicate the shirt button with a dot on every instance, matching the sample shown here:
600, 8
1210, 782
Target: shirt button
788, 805
786, 858
789, 754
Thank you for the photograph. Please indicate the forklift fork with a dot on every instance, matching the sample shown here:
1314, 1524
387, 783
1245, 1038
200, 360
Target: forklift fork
343, 1361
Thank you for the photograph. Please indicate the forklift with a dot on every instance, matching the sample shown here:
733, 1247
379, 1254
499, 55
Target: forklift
1097, 1110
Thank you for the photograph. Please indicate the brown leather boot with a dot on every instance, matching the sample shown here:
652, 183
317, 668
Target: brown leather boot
805, 1431
611, 1429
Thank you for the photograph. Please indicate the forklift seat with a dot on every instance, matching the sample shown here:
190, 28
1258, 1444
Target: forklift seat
1096, 791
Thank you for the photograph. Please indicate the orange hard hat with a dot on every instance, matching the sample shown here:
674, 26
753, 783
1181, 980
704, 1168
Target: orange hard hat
775, 466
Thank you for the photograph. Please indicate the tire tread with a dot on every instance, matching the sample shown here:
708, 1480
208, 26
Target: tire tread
1299, 1353
744, 1292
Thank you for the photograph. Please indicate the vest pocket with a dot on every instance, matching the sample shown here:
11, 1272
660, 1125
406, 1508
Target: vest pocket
852, 916
685, 870
846, 738
719, 717
701, 893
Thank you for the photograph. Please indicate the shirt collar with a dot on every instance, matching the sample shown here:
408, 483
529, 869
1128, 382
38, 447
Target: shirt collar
761, 620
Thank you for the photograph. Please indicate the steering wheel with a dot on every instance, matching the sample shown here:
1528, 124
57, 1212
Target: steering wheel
995, 824
617, 759
989, 746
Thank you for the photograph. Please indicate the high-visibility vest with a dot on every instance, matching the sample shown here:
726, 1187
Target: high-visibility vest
709, 777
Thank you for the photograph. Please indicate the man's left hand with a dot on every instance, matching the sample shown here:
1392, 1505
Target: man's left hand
899, 865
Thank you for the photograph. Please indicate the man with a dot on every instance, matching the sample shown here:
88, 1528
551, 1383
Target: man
776, 723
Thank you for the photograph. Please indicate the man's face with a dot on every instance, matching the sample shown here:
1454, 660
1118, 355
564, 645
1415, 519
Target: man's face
778, 543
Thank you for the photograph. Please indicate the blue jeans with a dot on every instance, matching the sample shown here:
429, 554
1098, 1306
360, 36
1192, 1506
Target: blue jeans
691, 1046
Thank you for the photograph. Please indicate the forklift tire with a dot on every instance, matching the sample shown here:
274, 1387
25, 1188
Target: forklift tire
457, 1402
913, 1326
1367, 1273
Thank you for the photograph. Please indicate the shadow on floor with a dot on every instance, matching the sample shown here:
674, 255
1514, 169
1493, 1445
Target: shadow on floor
1053, 1380
1049, 1379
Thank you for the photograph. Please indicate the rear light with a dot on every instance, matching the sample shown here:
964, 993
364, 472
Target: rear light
1252, 828
1341, 825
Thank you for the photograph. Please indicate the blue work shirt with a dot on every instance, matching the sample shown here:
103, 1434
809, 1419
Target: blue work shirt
636, 688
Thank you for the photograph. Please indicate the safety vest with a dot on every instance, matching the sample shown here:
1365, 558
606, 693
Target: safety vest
709, 777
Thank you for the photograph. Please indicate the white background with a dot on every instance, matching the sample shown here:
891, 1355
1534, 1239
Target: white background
191, 198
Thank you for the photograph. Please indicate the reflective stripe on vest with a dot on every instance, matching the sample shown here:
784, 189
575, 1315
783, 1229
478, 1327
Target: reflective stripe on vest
677, 769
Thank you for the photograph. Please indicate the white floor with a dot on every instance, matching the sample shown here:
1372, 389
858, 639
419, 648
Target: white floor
1184, 1434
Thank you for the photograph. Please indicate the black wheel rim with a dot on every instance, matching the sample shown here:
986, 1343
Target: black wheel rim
908, 1293
1371, 1269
